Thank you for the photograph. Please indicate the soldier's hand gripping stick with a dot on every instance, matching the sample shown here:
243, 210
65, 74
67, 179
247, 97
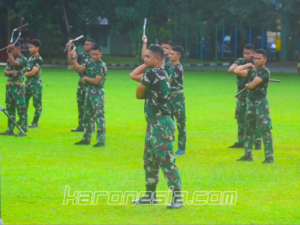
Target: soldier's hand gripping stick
240, 92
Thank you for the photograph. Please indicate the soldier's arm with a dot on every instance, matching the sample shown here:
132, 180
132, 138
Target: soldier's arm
8, 73
68, 51
144, 48
97, 80
11, 60
33, 72
138, 73
140, 91
232, 68
254, 83
242, 71
78, 68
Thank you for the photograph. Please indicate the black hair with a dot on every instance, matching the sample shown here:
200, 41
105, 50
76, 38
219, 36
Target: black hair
249, 47
261, 51
91, 40
35, 42
167, 42
17, 44
96, 47
178, 49
157, 49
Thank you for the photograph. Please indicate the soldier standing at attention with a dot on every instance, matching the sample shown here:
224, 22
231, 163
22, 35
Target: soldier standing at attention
15, 91
95, 70
81, 89
241, 103
155, 88
177, 96
33, 87
257, 112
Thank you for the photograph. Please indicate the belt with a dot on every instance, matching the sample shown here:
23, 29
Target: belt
157, 118
15, 83
176, 92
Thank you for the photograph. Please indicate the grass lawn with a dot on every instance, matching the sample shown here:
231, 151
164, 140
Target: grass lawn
36, 169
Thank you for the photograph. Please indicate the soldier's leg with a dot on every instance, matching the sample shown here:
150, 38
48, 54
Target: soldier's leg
240, 112
266, 127
150, 164
162, 144
81, 89
257, 137
37, 100
28, 94
10, 106
178, 105
98, 115
19, 96
86, 122
250, 125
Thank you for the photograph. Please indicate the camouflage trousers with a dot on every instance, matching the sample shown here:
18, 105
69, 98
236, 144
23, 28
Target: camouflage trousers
94, 109
240, 112
178, 111
81, 89
34, 89
15, 99
159, 153
258, 114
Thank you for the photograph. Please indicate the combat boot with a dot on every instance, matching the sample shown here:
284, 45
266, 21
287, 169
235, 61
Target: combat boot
176, 202
149, 198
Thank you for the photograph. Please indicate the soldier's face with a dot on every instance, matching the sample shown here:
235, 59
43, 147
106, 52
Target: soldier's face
174, 56
88, 46
167, 48
151, 60
16, 51
259, 60
96, 55
248, 54
33, 49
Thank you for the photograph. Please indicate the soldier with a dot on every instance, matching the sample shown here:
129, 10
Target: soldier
154, 87
81, 89
33, 87
257, 112
177, 96
95, 70
241, 103
15, 91
166, 45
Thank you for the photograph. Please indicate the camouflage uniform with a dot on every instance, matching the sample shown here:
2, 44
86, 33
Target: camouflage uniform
94, 102
241, 105
81, 88
160, 129
257, 113
168, 64
34, 85
178, 103
15, 94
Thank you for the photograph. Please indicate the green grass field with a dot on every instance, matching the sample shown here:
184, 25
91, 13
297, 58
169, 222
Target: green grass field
36, 169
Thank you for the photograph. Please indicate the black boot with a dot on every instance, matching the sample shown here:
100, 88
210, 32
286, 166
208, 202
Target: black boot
269, 159
149, 198
21, 135
34, 123
83, 142
78, 129
176, 202
98, 145
246, 158
237, 145
8, 133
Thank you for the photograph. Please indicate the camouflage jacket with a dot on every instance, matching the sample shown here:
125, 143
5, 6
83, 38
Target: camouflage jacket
32, 62
176, 72
260, 91
158, 93
96, 69
241, 81
168, 64
21, 69
81, 59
